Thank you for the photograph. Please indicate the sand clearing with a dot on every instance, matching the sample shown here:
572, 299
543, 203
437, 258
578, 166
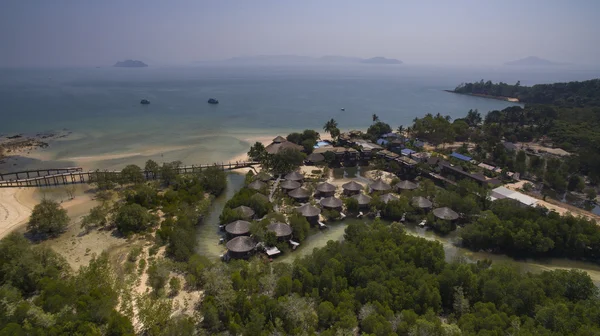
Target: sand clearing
559, 207
16, 205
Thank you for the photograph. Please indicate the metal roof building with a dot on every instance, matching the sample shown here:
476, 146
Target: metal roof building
461, 157
503, 192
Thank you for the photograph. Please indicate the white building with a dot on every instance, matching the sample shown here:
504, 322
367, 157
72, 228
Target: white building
503, 192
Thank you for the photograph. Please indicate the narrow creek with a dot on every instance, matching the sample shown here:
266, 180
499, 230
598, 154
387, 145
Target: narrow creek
208, 238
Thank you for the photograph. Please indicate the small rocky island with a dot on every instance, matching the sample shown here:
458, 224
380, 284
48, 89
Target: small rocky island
381, 60
131, 64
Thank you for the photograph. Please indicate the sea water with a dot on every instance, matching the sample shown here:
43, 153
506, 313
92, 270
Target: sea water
101, 106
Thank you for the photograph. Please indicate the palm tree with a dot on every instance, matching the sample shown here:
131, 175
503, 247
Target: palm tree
375, 118
331, 128
330, 125
400, 129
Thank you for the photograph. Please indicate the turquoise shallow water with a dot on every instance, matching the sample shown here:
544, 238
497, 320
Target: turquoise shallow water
101, 105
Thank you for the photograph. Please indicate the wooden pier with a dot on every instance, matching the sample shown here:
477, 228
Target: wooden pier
76, 175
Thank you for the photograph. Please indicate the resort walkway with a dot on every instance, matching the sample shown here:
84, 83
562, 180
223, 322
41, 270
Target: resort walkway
274, 188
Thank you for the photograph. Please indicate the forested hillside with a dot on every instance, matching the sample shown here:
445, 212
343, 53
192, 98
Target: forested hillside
572, 94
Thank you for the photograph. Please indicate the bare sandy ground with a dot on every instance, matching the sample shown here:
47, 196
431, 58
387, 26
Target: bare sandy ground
560, 208
16, 205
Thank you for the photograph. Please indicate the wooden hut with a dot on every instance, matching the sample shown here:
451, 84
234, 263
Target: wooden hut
257, 185
421, 202
294, 176
289, 185
263, 176
237, 228
279, 139
282, 231
314, 158
244, 211
240, 247
331, 203
352, 188
310, 212
326, 189
300, 194
388, 197
363, 200
406, 185
380, 186
445, 214
281, 143
260, 197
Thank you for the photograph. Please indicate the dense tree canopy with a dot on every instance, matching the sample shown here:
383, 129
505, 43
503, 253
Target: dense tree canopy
39, 295
382, 281
526, 231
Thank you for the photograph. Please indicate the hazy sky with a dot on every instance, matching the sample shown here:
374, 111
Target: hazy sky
100, 32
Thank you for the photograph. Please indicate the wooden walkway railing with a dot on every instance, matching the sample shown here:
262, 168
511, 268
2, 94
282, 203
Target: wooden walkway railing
74, 175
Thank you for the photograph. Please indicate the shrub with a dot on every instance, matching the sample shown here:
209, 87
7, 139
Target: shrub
133, 218
48, 218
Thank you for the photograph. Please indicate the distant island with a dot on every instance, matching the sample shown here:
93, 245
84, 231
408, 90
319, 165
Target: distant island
572, 94
131, 64
533, 61
381, 60
306, 59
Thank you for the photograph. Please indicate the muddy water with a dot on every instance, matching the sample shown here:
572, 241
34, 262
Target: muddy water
208, 237
208, 233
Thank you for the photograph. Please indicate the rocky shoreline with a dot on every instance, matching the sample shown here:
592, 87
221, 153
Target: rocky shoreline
21, 144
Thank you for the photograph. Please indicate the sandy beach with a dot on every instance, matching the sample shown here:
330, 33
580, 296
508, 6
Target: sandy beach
16, 205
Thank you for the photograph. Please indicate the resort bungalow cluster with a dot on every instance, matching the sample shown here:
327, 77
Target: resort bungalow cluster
352, 148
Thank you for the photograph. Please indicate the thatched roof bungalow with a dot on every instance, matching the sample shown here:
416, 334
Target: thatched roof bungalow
388, 197
299, 194
281, 230
244, 211
263, 176
406, 185
289, 185
379, 185
326, 189
331, 203
237, 228
363, 200
280, 143
421, 202
240, 247
294, 176
352, 188
445, 213
257, 185
314, 158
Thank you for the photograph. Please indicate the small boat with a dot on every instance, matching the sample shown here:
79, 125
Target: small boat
343, 109
213, 101
145, 102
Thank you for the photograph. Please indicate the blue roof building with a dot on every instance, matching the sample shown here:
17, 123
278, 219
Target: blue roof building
382, 142
407, 151
461, 157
